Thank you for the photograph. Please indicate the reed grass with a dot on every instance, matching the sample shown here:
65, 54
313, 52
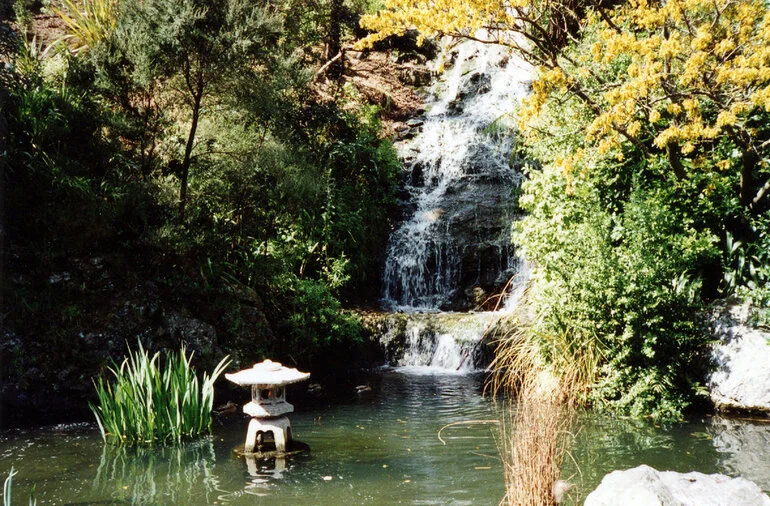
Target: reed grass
534, 439
8, 490
153, 400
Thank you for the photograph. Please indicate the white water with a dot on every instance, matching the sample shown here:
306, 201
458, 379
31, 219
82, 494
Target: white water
461, 185
438, 342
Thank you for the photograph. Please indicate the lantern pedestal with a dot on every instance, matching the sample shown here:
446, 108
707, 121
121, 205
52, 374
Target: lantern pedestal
280, 428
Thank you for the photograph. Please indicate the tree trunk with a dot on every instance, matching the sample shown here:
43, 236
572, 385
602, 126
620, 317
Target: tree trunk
188, 153
673, 155
747, 190
334, 44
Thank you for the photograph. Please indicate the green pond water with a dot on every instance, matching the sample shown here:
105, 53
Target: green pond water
380, 447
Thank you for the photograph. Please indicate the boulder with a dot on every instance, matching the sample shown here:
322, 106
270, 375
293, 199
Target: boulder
741, 379
645, 486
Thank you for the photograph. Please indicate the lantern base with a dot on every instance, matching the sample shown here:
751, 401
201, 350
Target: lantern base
293, 448
279, 427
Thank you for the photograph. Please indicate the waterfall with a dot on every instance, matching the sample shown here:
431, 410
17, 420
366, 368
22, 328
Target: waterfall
453, 249
437, 342
461, 185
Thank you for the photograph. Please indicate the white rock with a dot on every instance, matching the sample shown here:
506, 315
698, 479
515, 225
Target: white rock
645, 486
741, 380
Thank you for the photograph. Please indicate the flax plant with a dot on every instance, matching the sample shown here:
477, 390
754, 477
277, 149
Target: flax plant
87, 23
154, 400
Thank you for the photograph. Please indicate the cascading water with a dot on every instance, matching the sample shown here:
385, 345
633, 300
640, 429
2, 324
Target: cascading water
461, 187
454, 248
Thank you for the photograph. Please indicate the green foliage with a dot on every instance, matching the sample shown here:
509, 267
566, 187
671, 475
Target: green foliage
288, 197
318, 333
155, 401
620, 257
21, 12
747, 263
746, 267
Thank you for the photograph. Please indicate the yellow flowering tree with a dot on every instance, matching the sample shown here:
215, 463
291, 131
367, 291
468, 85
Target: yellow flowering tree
689, 76
678, 77
545, 25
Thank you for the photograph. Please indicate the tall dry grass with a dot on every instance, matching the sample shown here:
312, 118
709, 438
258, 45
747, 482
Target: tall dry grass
544, 380
535, 430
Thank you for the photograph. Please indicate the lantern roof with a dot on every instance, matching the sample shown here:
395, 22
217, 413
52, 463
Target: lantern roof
268, 373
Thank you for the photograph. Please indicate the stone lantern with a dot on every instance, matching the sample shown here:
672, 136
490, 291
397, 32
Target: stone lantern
268, 404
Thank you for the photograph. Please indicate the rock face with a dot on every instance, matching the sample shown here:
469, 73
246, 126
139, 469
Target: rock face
741, 380
645, 486
440, 341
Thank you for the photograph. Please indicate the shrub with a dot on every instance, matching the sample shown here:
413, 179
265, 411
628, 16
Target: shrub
620, 256
153, 400
317, 328
89, 24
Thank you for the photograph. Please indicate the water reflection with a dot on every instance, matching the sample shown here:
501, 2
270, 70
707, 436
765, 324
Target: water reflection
160, 474
743, 447
708, 445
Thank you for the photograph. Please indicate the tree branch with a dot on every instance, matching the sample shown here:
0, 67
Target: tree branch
328, 64
761, 194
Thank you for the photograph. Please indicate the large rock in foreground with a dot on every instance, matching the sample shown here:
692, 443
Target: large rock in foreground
645, 486
741, 380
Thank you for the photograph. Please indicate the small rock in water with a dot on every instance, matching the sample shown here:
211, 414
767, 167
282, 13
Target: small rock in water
560, 490
226, 409
414, 122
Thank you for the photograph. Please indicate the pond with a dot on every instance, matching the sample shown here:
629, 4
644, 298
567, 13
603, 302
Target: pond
400, 443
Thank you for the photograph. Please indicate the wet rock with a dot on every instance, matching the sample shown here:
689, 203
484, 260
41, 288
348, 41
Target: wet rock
57, 278
404, 133
478, 84
741, 379
417, 175
413, 76
449, 341
456, 106
198, 335
645, 486
476, 296
414, 122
